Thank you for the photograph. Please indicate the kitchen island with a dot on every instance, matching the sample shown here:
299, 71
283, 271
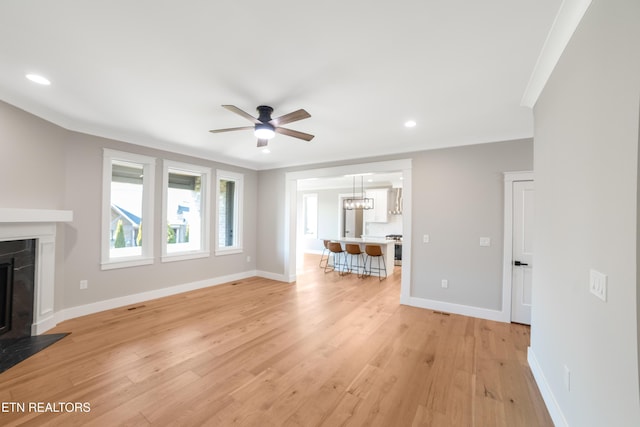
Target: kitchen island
388, 249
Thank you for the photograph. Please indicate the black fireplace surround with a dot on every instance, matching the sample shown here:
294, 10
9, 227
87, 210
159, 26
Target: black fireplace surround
17, 283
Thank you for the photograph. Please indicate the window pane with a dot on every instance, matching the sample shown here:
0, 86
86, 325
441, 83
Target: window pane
226, 213
125, 227
229, 189
184, 212
127, 210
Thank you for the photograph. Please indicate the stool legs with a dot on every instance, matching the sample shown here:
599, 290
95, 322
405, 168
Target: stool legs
335, 249
378, 269
324, 257
360, 268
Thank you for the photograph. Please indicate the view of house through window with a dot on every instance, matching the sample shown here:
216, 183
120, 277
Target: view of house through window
127, 209
125, 227
184, 210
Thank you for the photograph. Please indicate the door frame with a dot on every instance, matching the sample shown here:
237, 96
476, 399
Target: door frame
507, 252
290, 212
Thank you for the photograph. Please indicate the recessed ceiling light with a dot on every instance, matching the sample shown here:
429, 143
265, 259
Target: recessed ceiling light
266, 150
410, 124
38, 79
369, 180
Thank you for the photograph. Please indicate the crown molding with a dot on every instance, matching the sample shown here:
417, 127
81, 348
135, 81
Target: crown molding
564, 25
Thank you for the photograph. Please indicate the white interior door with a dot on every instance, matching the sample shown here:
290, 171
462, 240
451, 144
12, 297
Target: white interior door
522, 260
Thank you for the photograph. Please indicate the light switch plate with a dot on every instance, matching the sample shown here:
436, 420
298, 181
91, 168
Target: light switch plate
598, 284
485, 241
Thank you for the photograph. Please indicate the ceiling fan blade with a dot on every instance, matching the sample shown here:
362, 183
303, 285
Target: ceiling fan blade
230, 129
242, 113
291, 117
263, 142
295, 134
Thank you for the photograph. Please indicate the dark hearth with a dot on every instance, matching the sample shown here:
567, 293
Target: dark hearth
17, 280
14, 351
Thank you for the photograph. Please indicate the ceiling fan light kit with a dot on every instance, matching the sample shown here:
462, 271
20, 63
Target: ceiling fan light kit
265, 127
264, 131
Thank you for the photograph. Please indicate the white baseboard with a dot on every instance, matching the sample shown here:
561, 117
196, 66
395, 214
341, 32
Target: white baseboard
44, 326
272, 276
547, 395
83, 310
448, 307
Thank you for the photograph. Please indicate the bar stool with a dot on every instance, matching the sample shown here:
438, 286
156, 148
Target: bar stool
335, 249
375, 251
325, 254
353, 251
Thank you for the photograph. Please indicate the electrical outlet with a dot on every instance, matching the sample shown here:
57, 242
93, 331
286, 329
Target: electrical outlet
485, 241
598, 284
445, 283
425, 238
248, 258
84, 284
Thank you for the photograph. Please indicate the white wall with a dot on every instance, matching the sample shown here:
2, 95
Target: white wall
328, 221
586, 171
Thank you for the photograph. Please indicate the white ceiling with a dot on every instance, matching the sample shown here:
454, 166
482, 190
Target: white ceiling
156, 73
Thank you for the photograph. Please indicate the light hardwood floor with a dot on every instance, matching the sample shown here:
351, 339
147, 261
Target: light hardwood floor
327, 350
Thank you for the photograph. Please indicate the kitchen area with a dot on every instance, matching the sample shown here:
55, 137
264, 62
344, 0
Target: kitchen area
364, 207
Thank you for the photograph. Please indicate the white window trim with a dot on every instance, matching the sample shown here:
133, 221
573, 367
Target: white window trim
148, 184
205, 209
239, 179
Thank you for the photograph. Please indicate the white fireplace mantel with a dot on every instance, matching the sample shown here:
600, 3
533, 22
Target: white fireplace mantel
39, 224
34, 215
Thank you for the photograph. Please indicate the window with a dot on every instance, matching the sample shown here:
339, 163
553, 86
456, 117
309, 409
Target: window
229, 212
185, 232
127, 209
310, 214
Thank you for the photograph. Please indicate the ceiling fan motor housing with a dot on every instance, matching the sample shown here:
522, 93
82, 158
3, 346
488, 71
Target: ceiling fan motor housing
265, 113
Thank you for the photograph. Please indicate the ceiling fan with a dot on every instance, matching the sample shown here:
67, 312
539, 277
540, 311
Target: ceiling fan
265, 127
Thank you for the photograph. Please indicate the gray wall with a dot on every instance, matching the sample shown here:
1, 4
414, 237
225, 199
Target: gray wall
457, 198
52, 168
586, 170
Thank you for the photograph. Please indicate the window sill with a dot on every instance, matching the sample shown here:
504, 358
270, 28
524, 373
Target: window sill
230, 251
183, 256
125, 263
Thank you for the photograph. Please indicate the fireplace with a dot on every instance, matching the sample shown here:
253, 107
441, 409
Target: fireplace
27, 270
17, 279
6, 292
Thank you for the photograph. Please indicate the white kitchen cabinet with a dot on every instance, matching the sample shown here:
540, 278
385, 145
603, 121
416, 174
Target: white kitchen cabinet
380, 211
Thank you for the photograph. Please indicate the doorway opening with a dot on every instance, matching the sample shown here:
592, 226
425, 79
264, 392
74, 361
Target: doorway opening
293, 251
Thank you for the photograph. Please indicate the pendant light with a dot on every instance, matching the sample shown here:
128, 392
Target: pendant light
361, 202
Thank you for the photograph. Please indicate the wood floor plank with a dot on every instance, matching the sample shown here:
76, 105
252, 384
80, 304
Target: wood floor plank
327, 350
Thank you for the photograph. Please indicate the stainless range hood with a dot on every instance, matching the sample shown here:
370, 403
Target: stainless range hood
396, 200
